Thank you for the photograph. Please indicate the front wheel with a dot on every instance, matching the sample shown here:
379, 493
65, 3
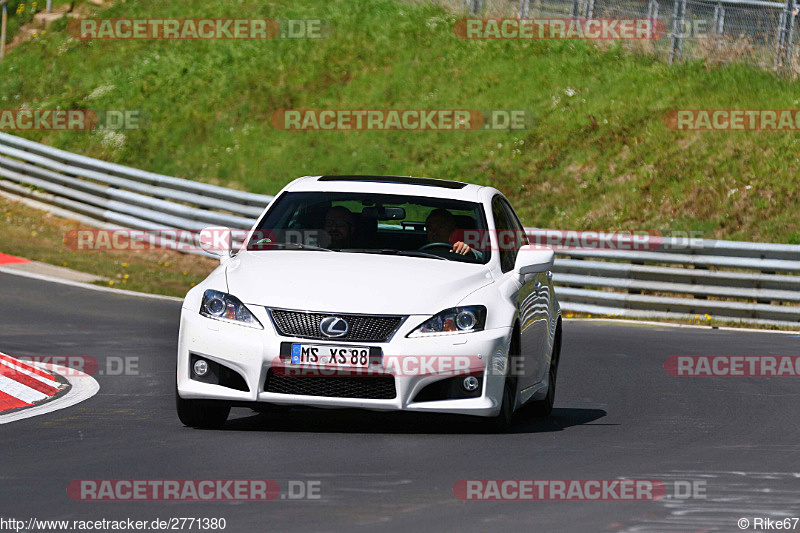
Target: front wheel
505, 418
206, 414
543, 408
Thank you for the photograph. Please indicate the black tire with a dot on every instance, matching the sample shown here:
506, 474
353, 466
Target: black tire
504, 420
205, 414
543, 408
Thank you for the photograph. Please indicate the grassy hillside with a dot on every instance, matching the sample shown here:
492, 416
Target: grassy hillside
599, 156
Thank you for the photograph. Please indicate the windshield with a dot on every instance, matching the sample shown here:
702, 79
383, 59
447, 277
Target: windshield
353, 222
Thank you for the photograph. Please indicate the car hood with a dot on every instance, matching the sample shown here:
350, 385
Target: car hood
352, 282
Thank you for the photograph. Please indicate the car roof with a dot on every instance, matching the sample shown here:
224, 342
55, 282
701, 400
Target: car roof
408, 185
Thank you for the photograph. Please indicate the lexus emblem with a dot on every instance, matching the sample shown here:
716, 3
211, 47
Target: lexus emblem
333, 326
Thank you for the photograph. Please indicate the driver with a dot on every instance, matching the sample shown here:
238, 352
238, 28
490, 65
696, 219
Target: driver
439, 226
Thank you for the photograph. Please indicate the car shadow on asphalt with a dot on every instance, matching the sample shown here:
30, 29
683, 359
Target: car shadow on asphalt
359, 421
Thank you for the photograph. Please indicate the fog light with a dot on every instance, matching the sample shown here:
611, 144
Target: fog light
470, 384
200, 368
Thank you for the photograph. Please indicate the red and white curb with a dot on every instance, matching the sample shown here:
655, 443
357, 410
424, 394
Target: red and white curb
31, 389
23, 385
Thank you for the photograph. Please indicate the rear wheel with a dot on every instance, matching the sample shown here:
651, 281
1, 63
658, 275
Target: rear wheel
543, 408
206, 414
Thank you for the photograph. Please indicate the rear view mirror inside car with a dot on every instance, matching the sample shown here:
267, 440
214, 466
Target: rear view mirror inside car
385, 213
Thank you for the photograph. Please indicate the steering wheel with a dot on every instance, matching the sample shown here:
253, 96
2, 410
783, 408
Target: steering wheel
436, 245
444, 245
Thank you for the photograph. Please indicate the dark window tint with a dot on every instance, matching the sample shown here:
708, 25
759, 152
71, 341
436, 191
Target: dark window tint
505, 235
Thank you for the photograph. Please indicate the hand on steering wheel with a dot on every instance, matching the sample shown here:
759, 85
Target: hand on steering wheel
453, 248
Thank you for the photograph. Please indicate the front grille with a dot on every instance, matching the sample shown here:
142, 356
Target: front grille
363, 328
363, 387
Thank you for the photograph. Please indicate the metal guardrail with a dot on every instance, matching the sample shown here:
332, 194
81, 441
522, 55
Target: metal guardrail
728, 280
120, 196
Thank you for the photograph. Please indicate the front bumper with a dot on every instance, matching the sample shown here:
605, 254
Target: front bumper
251, 353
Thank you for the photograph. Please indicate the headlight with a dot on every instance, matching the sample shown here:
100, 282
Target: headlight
221, 306
453, 321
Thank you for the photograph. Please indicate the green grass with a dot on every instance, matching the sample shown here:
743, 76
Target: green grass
39, 236
599, 155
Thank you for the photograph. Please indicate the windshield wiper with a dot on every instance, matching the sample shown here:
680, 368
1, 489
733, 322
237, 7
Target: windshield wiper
392, 251
296, 246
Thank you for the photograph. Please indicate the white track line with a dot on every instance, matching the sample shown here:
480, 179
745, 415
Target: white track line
83, 388
680, 325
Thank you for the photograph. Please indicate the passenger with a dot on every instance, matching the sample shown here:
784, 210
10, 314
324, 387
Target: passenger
339, 226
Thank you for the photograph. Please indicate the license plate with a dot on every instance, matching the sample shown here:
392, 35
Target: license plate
329, 355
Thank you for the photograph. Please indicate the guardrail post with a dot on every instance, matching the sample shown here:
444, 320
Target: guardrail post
715, 18
652, 10
677, 29
719, 19
783, 44
49, 5
788, 39
779, 39
3, 24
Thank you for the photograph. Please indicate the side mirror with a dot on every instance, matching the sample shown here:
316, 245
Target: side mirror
534, 259
216, 240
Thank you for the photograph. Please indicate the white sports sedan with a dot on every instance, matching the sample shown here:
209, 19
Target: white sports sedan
373, 292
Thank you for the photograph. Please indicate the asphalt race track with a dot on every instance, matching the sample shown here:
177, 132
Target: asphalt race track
618, 415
